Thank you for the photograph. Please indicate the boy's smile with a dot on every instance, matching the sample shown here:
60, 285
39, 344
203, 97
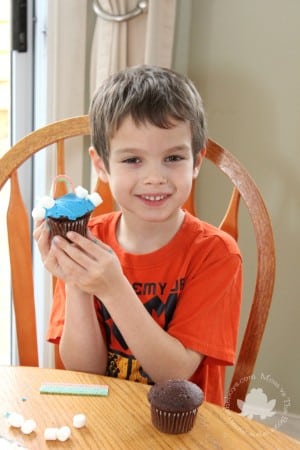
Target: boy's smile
154, 200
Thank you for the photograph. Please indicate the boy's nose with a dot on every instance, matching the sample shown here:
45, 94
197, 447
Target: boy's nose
155, 179
154, 173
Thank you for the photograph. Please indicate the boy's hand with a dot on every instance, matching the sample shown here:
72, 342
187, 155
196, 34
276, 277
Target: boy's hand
41, 235
87, 263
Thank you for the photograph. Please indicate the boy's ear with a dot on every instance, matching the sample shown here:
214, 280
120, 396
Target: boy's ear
98, 164
198, 162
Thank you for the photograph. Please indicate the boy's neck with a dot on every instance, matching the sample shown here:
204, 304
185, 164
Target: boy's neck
146, 237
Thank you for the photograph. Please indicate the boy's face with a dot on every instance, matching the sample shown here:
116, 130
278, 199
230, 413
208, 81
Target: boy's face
151, 169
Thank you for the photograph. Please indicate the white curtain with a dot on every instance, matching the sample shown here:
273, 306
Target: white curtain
145, 39
66, 81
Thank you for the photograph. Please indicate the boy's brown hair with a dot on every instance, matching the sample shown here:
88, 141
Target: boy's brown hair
148, 94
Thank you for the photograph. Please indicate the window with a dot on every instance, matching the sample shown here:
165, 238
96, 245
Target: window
16, 120
5, 83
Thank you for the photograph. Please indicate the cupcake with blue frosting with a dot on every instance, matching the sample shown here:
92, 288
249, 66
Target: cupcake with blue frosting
70, 212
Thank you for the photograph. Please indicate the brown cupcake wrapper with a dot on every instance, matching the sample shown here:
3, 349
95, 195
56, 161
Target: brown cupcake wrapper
61, 226
173, 422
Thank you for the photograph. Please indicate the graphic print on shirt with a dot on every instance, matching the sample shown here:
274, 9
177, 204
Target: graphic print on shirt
160, 300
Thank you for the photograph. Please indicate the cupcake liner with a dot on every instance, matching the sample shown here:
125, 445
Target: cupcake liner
61, 226
173, 422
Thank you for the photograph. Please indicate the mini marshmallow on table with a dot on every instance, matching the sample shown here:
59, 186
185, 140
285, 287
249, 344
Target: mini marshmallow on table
50, 434
28, 426
62, 434
79, 420
15, 420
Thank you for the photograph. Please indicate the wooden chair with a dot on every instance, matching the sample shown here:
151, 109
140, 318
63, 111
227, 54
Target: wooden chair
20, 244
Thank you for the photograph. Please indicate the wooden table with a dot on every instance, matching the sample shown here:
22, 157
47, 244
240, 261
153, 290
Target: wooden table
121, 420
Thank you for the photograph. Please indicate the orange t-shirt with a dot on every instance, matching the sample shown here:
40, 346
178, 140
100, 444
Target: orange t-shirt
191, 287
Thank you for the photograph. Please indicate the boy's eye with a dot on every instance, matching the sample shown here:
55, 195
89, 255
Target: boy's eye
174, 158
132, 160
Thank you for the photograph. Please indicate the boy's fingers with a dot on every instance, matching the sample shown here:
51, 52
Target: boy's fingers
101, 244
81, 241
38, 222
40, 227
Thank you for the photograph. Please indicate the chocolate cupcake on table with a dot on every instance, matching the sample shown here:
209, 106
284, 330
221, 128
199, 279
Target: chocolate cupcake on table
174, 405
70, 212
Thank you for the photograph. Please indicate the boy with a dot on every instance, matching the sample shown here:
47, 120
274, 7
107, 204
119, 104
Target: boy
153, 293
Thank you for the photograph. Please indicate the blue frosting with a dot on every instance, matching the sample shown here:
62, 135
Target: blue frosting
70, 206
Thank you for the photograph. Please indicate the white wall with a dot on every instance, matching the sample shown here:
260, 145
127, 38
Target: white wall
244, 58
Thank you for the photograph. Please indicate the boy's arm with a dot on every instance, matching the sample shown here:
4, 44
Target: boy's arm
82, 346
94, 270
161, 355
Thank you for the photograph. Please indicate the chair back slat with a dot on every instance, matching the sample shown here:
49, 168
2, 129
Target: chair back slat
230, 220
60, 157
107, 204
190, 202
21, 275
